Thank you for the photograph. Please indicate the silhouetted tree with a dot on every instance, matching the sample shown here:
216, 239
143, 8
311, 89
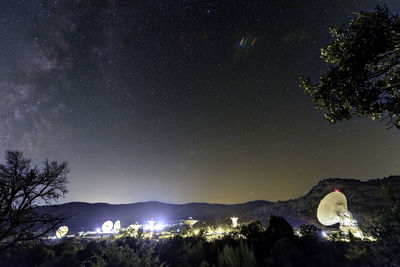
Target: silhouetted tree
388, 225
173, 252
242, 255
364, 74
253, 231
278, 228
22, 188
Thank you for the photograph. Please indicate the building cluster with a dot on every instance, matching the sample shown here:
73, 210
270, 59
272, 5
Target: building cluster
152, 229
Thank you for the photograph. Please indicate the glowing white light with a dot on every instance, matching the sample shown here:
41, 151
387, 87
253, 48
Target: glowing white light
324, 234
159, 227
234, 221
151, 225
98, 230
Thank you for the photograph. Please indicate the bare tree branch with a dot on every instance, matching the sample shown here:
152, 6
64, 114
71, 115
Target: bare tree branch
24, 187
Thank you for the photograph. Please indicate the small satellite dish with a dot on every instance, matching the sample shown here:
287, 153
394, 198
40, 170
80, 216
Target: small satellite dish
135, 226
117, 226
190, 222
62, 231
107, 227
330, 207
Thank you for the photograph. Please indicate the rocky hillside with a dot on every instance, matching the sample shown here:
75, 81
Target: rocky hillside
364, 198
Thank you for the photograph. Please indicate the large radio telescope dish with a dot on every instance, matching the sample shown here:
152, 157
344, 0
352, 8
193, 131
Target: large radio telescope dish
107, 227
62, 231
330, 207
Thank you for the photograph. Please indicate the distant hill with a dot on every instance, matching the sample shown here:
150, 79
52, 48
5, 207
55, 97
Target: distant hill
364, 197
86, 216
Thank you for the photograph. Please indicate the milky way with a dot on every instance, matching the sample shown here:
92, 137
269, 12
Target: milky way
180, 101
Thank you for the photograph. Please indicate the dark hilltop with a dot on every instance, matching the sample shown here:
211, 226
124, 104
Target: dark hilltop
363, 198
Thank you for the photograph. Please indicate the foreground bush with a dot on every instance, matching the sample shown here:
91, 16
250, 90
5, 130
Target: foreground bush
250, 245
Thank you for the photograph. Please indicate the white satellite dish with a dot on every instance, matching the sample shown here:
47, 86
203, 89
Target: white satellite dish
330, 207
333, 209
62, 231
107, 227
135, 226
190, 222
117, 226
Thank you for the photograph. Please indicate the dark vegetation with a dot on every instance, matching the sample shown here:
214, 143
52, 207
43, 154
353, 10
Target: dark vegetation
253, 244
363, 78
23, 187
250, 245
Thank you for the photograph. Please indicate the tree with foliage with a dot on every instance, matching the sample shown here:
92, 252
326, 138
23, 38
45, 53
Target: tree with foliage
363, 78
242, 255
253, 231
278, 228
389, 219
23, 187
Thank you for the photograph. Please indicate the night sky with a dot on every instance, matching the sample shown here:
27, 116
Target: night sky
181, 101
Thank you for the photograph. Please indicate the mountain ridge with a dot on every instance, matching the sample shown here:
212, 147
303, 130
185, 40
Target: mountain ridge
363, 197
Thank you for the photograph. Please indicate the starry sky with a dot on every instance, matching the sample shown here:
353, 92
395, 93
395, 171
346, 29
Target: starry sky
181, 101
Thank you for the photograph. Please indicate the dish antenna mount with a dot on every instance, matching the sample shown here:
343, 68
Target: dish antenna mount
333, 209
